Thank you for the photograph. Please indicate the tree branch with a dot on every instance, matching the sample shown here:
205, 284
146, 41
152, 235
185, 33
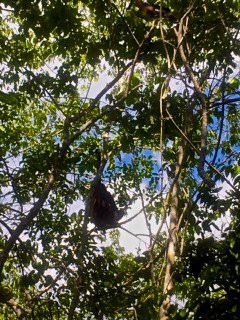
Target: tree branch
198, 152
207, 180
223, 102
26, 221
221, 121
13, 183
100, 94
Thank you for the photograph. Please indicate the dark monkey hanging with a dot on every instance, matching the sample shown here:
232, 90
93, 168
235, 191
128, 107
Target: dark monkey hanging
101, 207
151, 11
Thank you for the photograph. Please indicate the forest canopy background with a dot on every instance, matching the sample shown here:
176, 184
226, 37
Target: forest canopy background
155, 89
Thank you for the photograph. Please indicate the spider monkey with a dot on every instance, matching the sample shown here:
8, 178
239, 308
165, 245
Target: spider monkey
152, 11
101, 206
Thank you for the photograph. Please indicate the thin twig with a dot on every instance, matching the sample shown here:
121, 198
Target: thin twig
125, 22
132, 234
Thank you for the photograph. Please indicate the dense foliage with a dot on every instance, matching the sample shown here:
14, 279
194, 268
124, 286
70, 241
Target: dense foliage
160, 99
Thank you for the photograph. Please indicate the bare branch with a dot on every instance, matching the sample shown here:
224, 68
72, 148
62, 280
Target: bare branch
134, 235
223, 102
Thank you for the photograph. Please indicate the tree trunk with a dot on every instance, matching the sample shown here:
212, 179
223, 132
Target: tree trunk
172, 236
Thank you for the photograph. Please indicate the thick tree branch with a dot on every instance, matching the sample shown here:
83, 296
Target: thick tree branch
100, 94
223, 102
202, 156
26, 221
172, 238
